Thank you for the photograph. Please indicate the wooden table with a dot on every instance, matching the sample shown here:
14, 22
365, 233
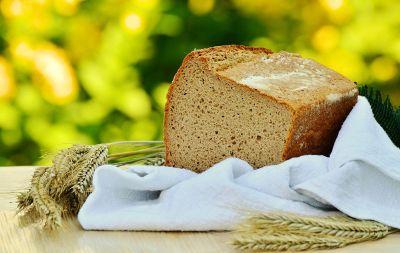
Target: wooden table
71, 238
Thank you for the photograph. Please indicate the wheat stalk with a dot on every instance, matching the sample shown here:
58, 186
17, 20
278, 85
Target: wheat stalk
286, 242
43, 203
281, 232
59, 191
331, 225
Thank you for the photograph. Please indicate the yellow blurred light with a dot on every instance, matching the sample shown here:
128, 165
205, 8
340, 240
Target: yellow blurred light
53, 136
9, 116
16, 8
338, 11
264, 42
82, 38
7, 82
326, 38
37, 126
41, 20
41, 2
96, 83
63, 135
201, 7
347, 63
12, 8
383, 68
60, 85
90, 112
394, 50
133, 22
342, 15
56, 77
160, 94
147, 4
28, 100
395, 97
270, 8
135, 103
144, 129
67, 7
332, 4
22, 51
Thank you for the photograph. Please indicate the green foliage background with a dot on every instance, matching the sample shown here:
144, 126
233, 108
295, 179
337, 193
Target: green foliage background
97, 71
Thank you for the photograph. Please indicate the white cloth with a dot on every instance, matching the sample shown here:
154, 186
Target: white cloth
360, 178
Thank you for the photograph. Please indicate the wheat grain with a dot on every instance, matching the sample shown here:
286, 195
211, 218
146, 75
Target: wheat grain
95, 157
44, 204
285, 242
69, 156
24, 199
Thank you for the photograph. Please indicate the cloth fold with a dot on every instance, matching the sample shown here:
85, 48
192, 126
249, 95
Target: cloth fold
361, 178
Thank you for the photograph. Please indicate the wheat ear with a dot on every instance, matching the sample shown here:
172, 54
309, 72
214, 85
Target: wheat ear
281, 232
59, 191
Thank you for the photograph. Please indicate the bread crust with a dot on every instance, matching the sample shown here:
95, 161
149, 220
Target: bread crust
313, 119
291, 147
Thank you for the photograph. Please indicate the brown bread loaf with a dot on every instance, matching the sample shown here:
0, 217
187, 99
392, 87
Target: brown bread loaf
253, 104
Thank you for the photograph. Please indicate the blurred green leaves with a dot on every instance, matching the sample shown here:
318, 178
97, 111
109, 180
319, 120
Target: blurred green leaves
91, 71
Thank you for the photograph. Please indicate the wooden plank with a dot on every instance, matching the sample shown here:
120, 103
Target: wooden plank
71, 238
12, 181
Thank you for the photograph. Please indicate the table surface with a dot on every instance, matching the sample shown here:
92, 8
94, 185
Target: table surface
72, 238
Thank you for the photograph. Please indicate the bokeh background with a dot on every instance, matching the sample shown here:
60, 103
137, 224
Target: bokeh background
95, 71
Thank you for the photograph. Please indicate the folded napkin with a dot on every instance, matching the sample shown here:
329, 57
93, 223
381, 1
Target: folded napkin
360, 178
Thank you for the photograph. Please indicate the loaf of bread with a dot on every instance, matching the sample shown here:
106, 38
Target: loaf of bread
250, 103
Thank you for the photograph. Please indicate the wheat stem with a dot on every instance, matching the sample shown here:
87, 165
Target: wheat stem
155, 155
133, 143
136, 152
